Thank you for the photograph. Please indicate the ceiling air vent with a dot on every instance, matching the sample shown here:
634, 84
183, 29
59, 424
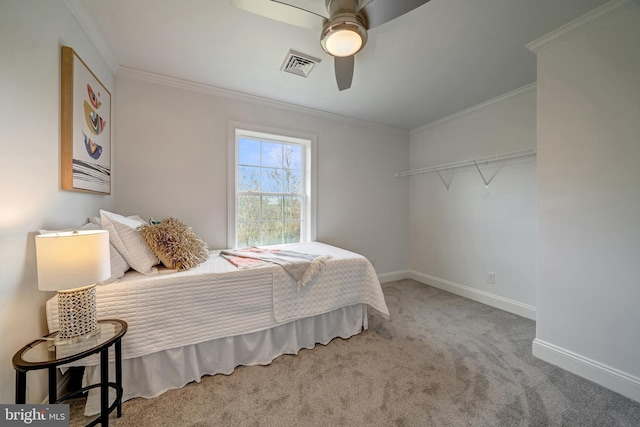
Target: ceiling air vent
299, 63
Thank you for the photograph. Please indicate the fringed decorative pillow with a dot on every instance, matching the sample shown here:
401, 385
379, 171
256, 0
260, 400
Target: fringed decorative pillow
175, 244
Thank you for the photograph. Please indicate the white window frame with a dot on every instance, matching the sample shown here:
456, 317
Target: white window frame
306, 140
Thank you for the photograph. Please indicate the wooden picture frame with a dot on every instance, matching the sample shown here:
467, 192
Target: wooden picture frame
85, 130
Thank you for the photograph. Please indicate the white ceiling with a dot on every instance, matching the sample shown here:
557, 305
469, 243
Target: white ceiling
442, 57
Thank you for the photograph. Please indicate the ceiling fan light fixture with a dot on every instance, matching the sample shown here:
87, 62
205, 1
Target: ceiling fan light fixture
343, 42
344, 34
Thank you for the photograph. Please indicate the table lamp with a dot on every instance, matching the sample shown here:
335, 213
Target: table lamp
71, 263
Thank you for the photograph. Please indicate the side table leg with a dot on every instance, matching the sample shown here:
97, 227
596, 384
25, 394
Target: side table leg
118, 349
21, 387
53, 385
104, 387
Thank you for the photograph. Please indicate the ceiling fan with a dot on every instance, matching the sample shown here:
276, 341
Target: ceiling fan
343, 24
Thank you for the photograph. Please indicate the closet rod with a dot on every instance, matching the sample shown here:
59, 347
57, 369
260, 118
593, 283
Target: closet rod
471, 162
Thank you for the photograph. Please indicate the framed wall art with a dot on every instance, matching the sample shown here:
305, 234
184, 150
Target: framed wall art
85, 129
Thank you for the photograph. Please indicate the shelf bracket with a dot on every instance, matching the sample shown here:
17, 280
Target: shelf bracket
486, 183
443, 181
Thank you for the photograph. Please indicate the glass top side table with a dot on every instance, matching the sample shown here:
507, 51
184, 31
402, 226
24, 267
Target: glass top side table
43, 353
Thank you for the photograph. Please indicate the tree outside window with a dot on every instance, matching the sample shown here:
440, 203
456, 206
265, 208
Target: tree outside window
270, 196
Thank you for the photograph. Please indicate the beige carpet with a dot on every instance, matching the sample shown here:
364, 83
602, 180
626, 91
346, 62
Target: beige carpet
441, 360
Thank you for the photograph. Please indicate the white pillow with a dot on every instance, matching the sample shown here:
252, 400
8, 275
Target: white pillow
129, 242
97, 220
118, 264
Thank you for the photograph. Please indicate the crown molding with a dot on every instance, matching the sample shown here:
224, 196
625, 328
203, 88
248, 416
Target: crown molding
240, 96
88, 25
485, 104
582, 23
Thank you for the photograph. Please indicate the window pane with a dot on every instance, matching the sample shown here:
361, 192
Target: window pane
271, 154
270, 189
248, 208
271, 233
248, 234
248, 152
272, 180
292, 208
271, 208
291, 232
292, 181
292, 157
249, 178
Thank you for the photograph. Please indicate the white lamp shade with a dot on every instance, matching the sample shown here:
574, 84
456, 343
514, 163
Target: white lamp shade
69, 260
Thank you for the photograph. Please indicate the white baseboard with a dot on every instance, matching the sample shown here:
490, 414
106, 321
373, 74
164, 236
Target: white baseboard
611, 378
394, 275
493, 300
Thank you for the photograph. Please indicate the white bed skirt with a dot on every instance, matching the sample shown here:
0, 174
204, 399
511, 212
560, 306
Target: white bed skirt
150, 376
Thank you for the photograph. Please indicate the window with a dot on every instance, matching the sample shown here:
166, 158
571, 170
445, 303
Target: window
272, 198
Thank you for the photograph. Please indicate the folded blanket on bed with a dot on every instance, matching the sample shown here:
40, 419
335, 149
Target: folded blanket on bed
302, 267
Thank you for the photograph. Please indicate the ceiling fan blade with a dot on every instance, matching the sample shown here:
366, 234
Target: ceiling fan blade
378, 12
363, 3
282, 12
314, 6
344, 71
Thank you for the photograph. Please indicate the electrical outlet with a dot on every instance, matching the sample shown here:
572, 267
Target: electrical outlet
491, 277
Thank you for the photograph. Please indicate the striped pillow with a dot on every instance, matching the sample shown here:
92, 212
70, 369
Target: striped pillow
124, 235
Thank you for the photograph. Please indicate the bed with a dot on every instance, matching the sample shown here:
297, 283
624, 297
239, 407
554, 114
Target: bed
209, 319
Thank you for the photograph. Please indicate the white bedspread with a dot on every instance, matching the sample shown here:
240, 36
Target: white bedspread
173, 309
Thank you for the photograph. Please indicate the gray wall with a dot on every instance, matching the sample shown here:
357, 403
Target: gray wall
31, 33
172, 161
460, 234
589, 200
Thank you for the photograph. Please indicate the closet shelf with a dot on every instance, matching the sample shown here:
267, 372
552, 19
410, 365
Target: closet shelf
471, 162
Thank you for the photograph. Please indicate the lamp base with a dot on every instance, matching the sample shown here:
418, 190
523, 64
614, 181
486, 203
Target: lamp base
77, 314
57, 341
